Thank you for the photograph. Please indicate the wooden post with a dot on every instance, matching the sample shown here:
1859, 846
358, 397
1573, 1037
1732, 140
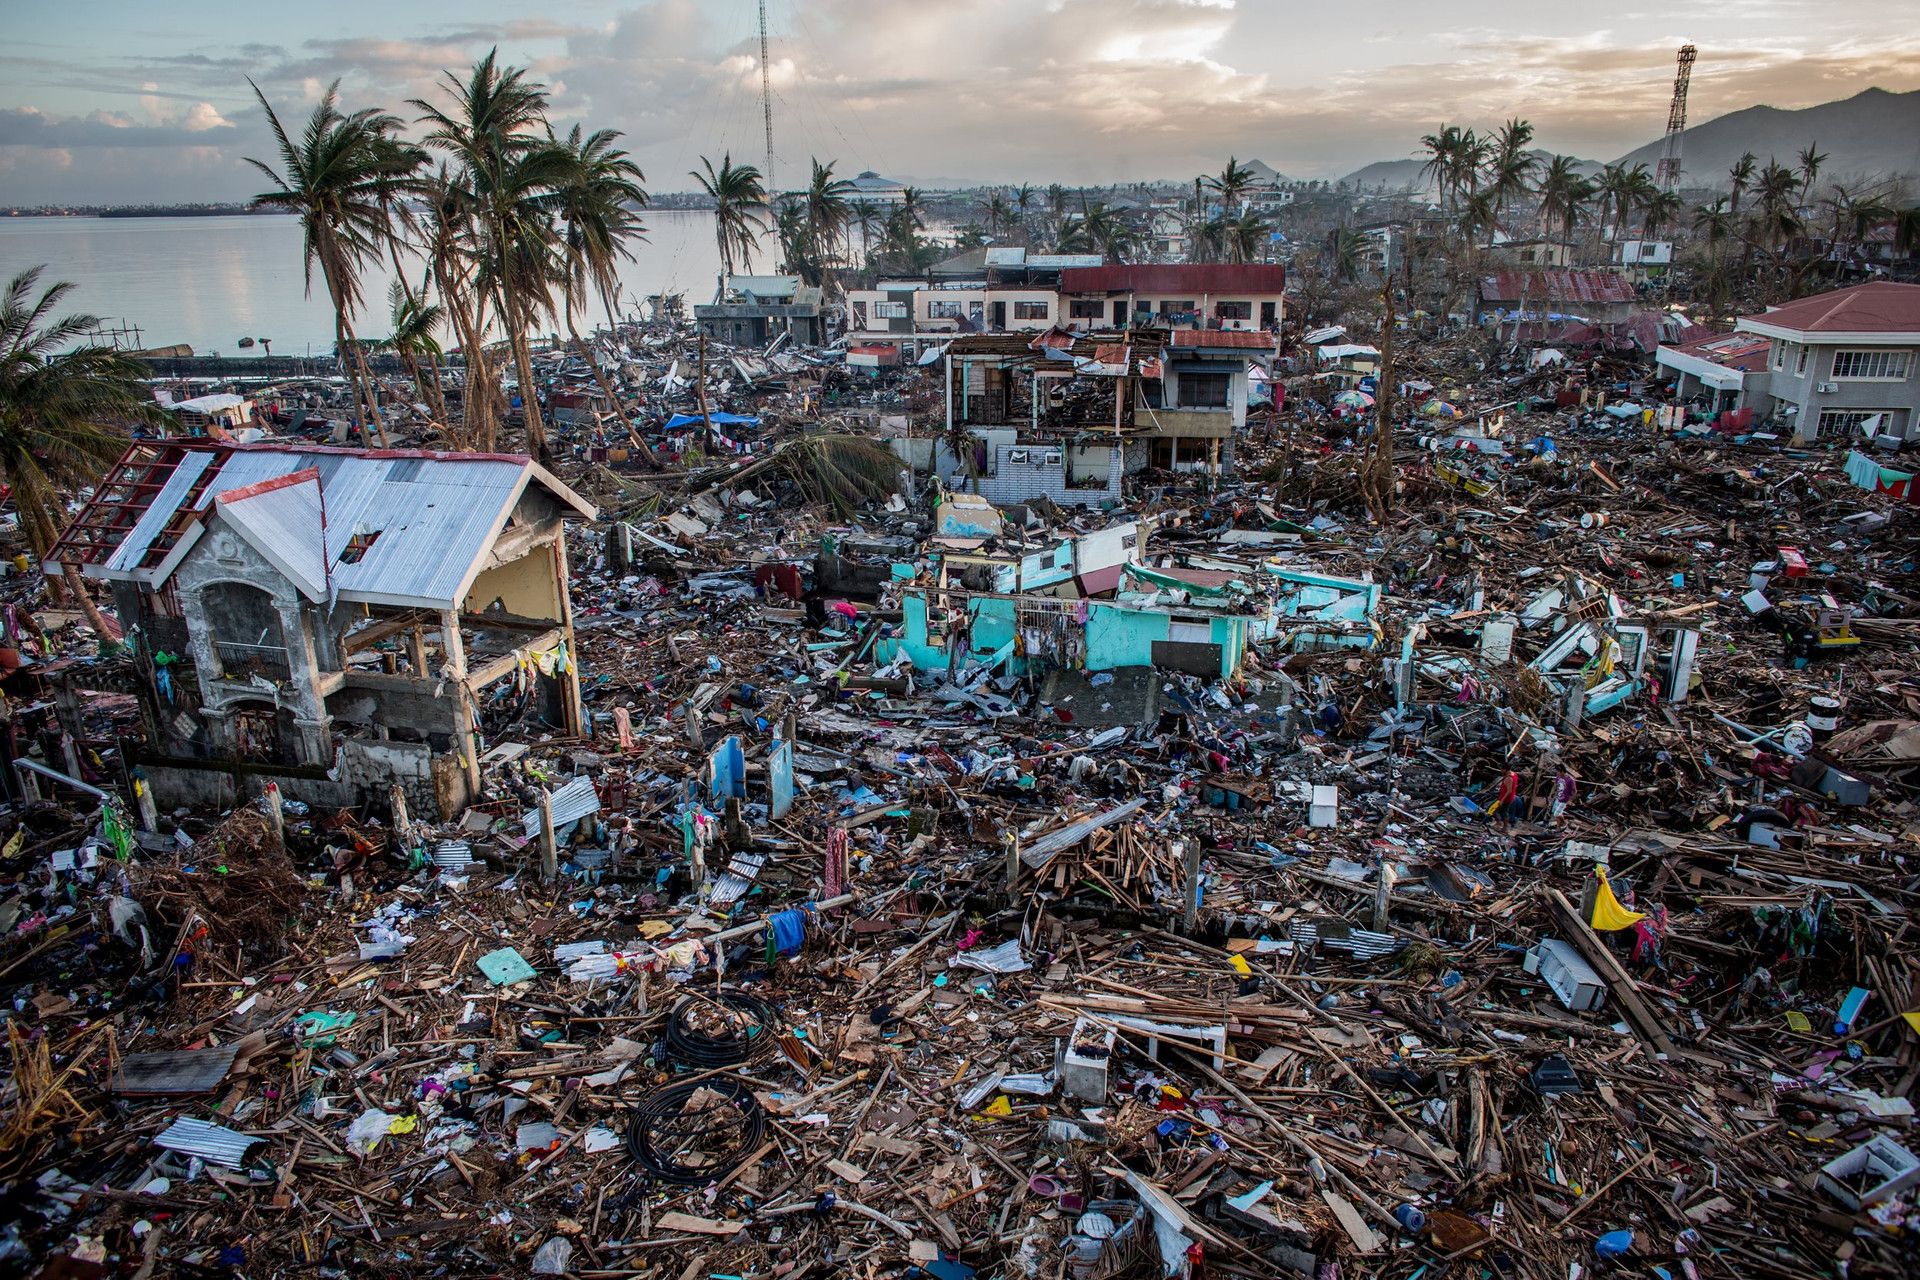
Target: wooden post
1013, 865
402, 825
549, 850
143, 801
695, 737
1382, 896
1191, 912
276, 819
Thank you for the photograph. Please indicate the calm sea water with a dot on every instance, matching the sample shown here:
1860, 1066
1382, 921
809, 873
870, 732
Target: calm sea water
211, 281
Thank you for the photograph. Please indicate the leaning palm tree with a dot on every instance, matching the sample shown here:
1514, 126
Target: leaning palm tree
1247, 236
509, 169
1741, 177
415, 321
599, 203
63, 412
332, 177
739, 209
829, 205
999, 213
1811, 158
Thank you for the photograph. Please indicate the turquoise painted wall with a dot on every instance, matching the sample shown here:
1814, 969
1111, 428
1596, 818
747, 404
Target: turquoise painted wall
1123, 637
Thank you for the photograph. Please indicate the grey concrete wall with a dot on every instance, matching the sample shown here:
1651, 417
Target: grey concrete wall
363, 773
1025, 481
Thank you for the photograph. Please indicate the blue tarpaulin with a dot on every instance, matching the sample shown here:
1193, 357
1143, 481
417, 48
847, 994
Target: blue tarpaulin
680, 420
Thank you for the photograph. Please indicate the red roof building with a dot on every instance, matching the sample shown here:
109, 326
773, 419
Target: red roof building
1880, 312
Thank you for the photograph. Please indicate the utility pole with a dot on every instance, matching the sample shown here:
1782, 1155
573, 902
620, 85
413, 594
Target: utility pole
1377, 483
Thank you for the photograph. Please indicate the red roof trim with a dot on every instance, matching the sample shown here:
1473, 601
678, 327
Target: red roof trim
259, 487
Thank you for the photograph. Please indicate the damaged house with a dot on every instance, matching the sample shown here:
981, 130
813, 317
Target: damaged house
337, 621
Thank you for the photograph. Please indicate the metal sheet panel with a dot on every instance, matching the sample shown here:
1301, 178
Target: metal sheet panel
188, 1071
569, 804
155, 518
1037, 854
211, 1142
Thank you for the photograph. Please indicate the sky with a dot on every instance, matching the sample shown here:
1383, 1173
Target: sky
118, 102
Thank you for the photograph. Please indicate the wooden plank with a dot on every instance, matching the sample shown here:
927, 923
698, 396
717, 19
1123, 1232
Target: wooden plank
1625, 990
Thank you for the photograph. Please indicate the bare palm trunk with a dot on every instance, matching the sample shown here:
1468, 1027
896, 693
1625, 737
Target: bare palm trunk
439, 390
529, 397
366, 380
95, 618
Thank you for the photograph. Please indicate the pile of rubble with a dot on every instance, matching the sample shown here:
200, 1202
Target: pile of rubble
1224, 885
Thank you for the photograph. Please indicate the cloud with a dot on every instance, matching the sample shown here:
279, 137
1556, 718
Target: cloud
1076, 91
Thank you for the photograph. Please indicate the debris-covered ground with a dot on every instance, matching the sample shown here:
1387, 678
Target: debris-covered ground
1524, 891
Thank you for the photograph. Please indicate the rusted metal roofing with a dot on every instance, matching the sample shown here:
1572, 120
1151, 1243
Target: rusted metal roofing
1249, 339
1550, 287
1177, 279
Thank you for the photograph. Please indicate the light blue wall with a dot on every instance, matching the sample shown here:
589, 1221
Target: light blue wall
1123, 637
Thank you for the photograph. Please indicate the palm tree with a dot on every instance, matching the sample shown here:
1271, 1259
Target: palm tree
414, 321
1343, 254
600, 206
1231, 184
63, 411
829, 210
509, 167
1741, 176
1246, 237
795, 236
1662, 209
1105, 232
332, 177
1715, 221
447, 234
1776, 187
1025, 198
1811, 158
1906, 231
999, 212
1555, 188
1443, 148
868, 217
739, 209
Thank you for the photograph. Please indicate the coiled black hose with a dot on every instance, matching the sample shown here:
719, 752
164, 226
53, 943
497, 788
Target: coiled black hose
693, 1144
722, 1031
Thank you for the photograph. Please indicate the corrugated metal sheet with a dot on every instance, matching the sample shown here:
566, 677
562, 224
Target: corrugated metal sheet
1037, 854
1546, 287
453, 855
569, 804
155, 518
435, 514
1340, 936
210, 1142
284, 526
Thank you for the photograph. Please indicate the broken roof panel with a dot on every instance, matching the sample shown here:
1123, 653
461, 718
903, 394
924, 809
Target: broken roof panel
1555, 286
401, 527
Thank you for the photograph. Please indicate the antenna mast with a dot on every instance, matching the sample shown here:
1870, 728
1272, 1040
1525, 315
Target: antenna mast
1667, 175
766, 96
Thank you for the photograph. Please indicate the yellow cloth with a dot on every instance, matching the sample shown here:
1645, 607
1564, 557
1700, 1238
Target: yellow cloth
1608, 914
1913, 1019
